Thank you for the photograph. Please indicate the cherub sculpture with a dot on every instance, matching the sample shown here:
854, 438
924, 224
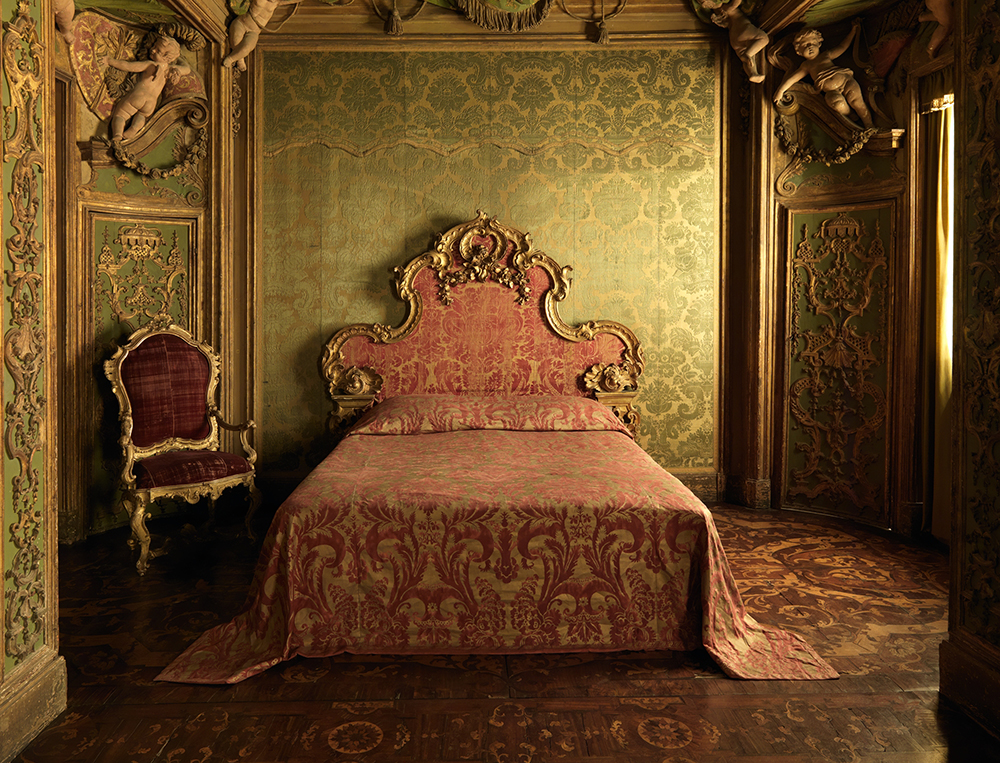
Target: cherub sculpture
838, 85
245, 29
65, 10
746, 39
939, 11
139, 103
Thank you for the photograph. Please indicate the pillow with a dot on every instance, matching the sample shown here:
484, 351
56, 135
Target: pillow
421, 414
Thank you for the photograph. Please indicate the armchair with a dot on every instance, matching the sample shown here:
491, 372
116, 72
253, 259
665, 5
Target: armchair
165, 382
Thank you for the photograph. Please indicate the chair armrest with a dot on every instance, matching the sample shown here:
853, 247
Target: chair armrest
243, 429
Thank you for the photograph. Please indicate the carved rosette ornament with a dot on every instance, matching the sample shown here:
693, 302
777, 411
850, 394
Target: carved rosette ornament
24, 348
481, 250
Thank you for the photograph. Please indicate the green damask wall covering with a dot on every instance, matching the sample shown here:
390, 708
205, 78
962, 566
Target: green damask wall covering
609, 158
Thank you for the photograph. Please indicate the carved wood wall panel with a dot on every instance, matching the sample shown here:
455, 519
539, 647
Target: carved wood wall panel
837, 387
970, 658
976, 541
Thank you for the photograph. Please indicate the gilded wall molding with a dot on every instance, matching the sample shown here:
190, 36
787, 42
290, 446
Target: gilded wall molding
25, 341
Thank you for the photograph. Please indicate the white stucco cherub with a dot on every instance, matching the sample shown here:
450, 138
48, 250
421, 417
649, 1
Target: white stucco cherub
746, 40
245, 30
140, 102
838, 85
65, 10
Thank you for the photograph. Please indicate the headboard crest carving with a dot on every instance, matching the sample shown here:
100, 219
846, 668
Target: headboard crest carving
483, 251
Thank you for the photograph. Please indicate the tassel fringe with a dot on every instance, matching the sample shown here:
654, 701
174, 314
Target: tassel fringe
495, 20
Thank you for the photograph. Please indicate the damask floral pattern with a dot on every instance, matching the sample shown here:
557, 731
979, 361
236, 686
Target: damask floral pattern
490, 541
417, 414
608, 158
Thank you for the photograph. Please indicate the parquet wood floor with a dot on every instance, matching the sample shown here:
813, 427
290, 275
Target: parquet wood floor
875, 607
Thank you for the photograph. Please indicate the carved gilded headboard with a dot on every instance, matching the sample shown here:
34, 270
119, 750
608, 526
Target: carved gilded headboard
482, 318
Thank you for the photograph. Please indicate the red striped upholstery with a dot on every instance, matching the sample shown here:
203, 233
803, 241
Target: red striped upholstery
166, 380
185, 467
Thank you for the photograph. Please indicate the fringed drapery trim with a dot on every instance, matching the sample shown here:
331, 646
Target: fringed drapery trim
495, 20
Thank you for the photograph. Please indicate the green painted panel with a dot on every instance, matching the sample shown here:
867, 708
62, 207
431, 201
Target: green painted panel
839, 365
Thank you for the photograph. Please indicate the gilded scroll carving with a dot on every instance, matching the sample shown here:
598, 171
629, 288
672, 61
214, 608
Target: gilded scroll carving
136, 279
980, 333
24, 338
838, 332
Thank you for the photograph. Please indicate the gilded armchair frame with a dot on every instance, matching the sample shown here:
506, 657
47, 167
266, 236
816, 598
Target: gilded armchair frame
137, 499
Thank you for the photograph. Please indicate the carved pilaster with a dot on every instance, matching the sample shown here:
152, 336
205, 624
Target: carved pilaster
970, 658
24, 343
32, 674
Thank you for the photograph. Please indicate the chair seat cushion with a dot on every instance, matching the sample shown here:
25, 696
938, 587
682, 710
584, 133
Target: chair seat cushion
187, 467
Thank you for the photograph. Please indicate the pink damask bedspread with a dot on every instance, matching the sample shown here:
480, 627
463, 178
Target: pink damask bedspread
456, 525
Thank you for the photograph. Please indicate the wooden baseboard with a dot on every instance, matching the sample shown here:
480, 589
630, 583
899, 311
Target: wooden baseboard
970, 678
706, 484
754, 494
30, 699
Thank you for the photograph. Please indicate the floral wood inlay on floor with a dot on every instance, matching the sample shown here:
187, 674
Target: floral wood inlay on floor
876, 608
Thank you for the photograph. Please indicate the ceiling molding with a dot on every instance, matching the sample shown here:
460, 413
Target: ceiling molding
210, 17
775, 15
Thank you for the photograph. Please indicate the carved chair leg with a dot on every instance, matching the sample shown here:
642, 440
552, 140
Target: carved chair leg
255, 501
140, 535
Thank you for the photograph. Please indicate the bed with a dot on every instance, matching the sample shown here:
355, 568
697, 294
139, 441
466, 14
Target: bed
488, 495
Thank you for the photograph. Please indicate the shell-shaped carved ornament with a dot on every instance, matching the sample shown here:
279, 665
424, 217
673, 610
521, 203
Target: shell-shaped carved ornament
609, 378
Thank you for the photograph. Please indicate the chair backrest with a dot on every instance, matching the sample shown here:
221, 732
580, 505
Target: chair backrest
165, 380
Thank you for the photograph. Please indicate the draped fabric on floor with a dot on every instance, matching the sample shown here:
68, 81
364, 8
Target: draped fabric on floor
445, 525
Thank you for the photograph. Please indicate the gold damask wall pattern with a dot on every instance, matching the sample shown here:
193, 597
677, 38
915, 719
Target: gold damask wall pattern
838, 368
25, 342
608, 158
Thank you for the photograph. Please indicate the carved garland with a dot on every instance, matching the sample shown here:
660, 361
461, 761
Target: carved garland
24, 338
807, 154
197, 118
